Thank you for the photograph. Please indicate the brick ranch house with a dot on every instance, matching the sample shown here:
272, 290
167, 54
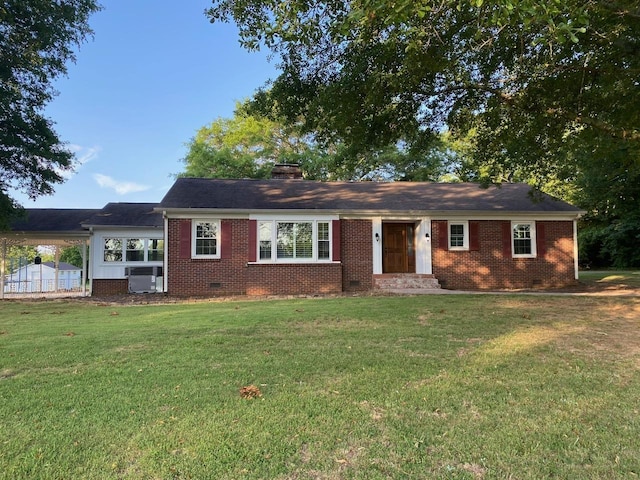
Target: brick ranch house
286, 235
293, 236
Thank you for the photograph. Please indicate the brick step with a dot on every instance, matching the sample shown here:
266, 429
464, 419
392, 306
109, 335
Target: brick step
396, 281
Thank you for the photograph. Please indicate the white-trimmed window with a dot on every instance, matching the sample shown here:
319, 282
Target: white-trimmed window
156, 250
523, 239
132, 250
324, 243
135, 250
265, 240
294, 241
112, 251
205, 239
458, 235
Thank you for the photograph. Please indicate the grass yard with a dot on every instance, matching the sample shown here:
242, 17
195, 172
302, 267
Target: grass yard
611, 279
452, 387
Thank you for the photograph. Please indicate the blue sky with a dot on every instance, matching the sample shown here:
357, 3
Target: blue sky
155, 72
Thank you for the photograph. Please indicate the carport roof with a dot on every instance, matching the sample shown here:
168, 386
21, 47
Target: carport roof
54, 220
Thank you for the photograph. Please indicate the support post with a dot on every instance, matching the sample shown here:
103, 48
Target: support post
3, 267
84, 268
56, 266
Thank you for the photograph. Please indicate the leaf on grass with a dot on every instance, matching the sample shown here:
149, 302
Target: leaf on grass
250, 391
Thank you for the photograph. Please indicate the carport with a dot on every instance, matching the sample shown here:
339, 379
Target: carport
55, 227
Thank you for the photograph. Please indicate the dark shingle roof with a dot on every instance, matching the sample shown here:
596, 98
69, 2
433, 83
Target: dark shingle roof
56, 220
126, 215
62, 266
255, 195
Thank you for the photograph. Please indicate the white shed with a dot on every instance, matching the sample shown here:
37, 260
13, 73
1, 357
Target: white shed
42, 278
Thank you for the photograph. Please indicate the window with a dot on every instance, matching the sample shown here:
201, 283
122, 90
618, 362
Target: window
135, 250
294, 241
459, 235
323, 241
523, 239
112, 250
156, 250
205, 239
264, 247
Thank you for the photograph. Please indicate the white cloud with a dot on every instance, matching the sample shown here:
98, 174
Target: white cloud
82, 155
121, 188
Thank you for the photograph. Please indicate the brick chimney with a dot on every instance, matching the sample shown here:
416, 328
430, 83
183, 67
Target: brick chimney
288, 171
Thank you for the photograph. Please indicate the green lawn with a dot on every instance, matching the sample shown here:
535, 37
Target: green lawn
616, 279
455, 387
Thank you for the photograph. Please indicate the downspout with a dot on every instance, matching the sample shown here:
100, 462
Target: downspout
84, 268
165, 272
575, 248
90, 262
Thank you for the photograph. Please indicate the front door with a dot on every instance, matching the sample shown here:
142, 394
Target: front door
398, 248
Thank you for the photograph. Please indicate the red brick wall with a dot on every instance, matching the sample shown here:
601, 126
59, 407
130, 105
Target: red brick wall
233, 275
488, 268
293, 279
102, 287
357, 255
208, 277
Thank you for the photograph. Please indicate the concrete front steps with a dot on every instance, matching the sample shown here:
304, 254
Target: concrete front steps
405, 281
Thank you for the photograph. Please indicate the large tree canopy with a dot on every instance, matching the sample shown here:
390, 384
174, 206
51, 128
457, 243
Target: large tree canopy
247, 146
545, 91
37, 39
250, 143
374, 72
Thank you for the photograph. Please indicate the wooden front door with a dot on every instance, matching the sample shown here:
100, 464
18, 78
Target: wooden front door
398, 253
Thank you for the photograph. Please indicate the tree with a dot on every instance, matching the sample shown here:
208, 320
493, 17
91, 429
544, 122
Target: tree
546, 91
376, 71
72, 255
37, 39
19, 256
250, 143
246, 146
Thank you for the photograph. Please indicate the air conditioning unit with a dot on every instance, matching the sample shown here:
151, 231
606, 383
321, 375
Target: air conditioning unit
143, 279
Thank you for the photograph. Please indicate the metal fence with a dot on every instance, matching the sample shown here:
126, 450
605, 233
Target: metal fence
44, 286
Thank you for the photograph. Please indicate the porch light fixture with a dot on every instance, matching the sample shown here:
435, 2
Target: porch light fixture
377, 237
426, 235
